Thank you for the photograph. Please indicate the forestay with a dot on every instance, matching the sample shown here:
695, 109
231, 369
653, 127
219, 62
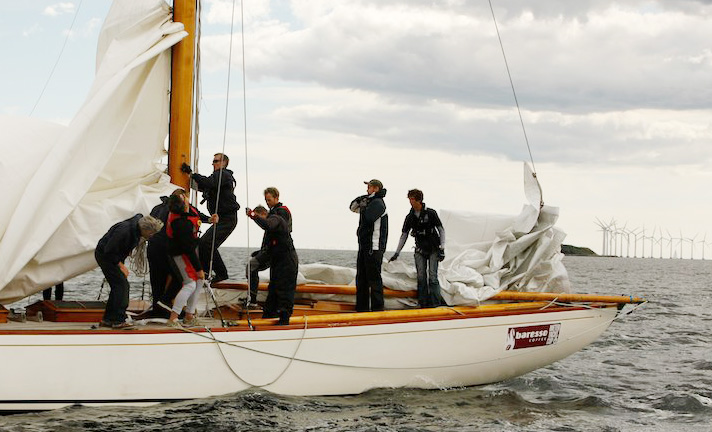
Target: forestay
69, 184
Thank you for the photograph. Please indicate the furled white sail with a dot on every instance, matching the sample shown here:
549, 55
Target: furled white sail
68, 184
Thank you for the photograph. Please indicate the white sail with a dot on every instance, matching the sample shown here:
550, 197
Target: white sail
69, 184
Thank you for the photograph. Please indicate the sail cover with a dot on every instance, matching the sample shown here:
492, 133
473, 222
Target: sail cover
101, 168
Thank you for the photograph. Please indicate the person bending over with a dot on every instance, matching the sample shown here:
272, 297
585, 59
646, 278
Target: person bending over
111, 252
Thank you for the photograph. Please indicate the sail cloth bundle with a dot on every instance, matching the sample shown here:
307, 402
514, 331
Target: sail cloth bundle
101, 168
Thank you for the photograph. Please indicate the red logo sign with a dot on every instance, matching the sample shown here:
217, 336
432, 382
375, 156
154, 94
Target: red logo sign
532, 336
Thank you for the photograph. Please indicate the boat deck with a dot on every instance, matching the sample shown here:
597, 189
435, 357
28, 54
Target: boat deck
53, 317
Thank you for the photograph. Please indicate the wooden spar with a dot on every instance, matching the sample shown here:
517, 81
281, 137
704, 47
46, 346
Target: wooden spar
182, 77
564, 297
403, 314
502, 295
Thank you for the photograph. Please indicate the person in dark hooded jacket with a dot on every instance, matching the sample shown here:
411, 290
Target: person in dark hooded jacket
372, 236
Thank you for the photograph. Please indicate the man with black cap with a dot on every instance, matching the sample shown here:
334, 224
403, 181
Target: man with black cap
372, 236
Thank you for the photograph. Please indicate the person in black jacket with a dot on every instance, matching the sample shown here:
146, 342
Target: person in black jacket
372, 236
182, 232
219, 191
283, 260
425, 225
164, 288
111, 252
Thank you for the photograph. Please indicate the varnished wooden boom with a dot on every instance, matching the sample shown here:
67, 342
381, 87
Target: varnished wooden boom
503, 295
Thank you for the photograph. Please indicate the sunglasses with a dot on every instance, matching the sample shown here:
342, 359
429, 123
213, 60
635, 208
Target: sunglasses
216, 161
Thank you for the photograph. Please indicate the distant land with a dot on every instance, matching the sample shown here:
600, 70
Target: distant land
577, 251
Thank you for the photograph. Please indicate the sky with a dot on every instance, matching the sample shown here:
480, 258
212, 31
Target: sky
615, 98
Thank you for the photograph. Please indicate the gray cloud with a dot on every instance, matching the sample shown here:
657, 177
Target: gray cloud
600, 81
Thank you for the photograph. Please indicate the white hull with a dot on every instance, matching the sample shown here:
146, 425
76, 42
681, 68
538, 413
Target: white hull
143, 367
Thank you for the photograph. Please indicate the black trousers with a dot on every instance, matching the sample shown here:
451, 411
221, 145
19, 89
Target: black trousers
259, 261
58, 292
369, 285
115, 312
222, 231
282, 285
163, 288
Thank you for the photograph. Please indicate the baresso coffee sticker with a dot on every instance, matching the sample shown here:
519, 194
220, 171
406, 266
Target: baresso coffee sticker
532, 336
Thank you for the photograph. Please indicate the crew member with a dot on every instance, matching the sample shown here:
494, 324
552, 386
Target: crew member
259, 260
111, 252
283, 260
182, 231
372, 236
219, 191
424, 224
164, 287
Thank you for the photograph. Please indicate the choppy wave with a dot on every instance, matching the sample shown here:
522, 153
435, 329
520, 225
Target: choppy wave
648, 372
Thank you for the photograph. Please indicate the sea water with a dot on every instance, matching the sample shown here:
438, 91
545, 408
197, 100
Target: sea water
650, 371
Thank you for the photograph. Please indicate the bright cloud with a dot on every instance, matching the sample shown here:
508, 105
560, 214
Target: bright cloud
59, 9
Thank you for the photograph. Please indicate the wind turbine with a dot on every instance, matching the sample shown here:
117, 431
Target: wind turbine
682, 240
605, 230
703, 244
652, 241
670, 239
613, 238
636, 233
692, 245
620, 234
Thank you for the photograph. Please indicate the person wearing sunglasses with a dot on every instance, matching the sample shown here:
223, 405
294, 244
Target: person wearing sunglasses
219, 192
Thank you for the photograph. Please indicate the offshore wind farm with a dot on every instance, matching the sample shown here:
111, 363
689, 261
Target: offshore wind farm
628, 241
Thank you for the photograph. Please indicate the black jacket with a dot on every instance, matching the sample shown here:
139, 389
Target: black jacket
160, 212
278, 228
372, 229
424, 228
120, 240
184, 239
227, 205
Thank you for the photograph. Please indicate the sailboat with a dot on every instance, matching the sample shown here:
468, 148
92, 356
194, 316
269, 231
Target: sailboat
101, 169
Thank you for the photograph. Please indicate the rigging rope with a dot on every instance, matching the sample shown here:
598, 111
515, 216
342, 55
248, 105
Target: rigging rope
244, 111
139, 261
511, 83
66, 39
224, 140
516, 101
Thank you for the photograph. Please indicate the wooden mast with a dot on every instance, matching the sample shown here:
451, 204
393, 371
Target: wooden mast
182, 78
